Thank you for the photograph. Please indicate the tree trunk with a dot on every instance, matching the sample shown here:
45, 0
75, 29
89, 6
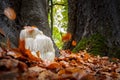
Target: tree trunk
29, 12
95, 16
34, 12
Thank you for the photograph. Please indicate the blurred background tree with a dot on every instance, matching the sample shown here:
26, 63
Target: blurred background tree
58, 19
95, 26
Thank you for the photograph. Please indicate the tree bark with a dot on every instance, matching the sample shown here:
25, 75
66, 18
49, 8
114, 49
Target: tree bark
29, 12
95, 16
34, 12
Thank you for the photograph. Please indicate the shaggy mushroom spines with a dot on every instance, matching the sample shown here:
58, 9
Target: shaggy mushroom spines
40, 45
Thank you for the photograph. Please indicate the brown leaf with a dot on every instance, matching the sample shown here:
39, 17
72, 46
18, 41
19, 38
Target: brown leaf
8, 44
72, 73
47, 75
86, 56
61, 72
2, 52
64, 64
8, 64
29, 55
36, 69
89, 77
66, 37
14, 54
53, 65
29, 75
74, 43
10, 13
117, 70
22, 66
2, 32
22, 45
10, 75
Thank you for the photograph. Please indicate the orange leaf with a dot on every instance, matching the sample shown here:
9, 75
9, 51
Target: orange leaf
38, 53
14, 53
25, 52
66, 37
86, 56
64, 64
30, 29
74, 43
24, 55
22, 45
28, 54
88, 77
34, 26
61, 72
54, 65
8, 43
2, 32
10, 13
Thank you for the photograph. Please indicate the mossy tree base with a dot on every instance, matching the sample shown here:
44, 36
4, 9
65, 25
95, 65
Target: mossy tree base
96, 45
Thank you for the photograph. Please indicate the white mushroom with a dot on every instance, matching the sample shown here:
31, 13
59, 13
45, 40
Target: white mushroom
40, 45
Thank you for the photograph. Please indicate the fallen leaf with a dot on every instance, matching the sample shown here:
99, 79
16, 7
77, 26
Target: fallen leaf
2, 53
86, 56
2, 32
8, 64
117, 70
29, 55
10, 13
66, 37
10, 75
25, 52
22, 45
61, 72
14, 54
34, 26
74, 43
22, 66
8, 44
64, 64
36, 69
88, 77
47, 75
53, 65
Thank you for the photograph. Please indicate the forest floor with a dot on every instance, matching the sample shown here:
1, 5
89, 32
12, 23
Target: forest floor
69, 66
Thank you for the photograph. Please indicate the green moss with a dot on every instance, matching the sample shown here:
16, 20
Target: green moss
114, 52
95, 44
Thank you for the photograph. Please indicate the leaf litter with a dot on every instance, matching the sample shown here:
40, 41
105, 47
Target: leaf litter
69, 66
